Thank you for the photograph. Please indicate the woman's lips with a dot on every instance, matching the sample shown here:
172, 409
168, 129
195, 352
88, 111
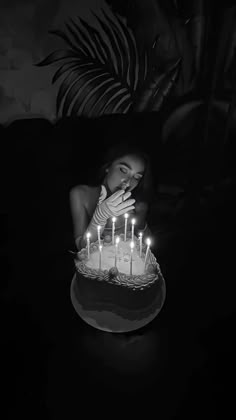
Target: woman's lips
123, 187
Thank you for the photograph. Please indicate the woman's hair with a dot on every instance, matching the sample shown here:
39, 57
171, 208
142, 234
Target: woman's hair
144, 190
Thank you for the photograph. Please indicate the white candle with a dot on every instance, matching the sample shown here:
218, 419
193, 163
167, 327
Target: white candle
116, 249
147, 250
99, 237
132, 231
126, 220
113, 230
140, 243
88, 243
131, 254
100, 257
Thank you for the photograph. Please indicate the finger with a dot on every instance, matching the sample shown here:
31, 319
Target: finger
123, 211
121, 199
116, 195
126, 195
125, 204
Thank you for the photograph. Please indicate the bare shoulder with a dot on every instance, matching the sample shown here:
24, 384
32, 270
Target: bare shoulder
82, 193
79, 190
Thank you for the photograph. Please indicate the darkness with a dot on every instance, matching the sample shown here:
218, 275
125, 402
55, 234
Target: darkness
182, 364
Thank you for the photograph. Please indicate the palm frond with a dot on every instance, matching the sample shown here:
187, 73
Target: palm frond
103, 51
157, 89
100, 74
87, 96
112, 44
103, 70
77, 89
72, 43
165, 86
129, 44
65, 67
97, 106
56, 56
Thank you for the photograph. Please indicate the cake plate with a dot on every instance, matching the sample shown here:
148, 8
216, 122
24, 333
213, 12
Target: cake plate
107, 320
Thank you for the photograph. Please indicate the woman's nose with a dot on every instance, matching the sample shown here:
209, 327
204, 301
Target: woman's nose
126, 182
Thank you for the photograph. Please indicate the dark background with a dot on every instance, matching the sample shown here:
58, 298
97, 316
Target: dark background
182, 364
52, 360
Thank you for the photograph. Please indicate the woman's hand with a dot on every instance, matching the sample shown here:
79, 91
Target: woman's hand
117, 204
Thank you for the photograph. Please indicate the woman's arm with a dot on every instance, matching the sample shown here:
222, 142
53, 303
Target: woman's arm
80, 217
114, 205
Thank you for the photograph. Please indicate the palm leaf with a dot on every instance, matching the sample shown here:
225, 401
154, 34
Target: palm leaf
120, 44
103, 51
131, 48
78, 87
98, 104
93, 79
103, 70
56, 56
86, 97
79, 38
113, 101
113, 45
67, 66
74, 86
197, 33
165, 86
96, 44
156, 89
72, 43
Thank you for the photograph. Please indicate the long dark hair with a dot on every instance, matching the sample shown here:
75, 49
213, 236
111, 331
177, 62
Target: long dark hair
144, 191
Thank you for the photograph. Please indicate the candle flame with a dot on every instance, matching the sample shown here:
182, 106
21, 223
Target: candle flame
99, 227
113, 219
117, 240
126, 215
131, 244
140, 234
100, 247
133, 221
148, 241
88, 235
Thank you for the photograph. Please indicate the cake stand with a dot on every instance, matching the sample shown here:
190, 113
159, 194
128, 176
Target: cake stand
109, 321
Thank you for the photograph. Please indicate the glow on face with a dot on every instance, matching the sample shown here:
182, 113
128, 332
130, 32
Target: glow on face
125, 173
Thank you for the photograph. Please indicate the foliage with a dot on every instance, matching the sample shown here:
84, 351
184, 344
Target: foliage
105, 72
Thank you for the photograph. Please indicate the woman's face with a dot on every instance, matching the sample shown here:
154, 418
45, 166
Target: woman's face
125, 173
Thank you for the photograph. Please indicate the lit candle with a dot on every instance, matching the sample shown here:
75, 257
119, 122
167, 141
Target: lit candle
113, 230
88, 243
147, 250
126, 220
99, 237
140, 243
132, 231
116, 249
131, 254
100, 257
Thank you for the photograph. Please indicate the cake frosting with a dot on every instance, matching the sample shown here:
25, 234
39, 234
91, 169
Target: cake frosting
123, 258
114, 288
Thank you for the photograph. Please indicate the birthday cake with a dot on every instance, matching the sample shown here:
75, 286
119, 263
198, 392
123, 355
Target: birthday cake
113, 279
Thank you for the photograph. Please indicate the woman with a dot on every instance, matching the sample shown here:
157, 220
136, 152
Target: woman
124, 186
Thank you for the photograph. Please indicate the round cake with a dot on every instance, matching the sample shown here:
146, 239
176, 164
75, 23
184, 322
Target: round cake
107, 280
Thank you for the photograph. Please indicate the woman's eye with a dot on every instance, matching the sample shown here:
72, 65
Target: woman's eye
138, 178
123, 170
